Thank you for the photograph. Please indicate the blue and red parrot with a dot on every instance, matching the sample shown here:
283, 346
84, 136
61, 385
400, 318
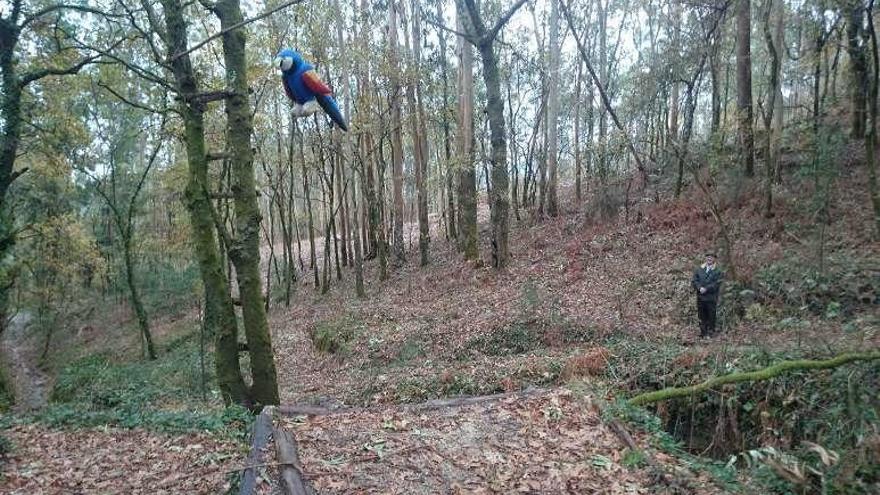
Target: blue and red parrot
305, 88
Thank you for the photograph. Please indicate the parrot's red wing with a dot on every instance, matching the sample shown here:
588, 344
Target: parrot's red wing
314, 83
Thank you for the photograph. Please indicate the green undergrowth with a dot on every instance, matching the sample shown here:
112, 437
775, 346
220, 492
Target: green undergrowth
335, 336
768, 428
6, 396
842, 284
169, 394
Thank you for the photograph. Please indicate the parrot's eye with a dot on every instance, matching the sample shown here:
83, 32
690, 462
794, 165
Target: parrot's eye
284, 63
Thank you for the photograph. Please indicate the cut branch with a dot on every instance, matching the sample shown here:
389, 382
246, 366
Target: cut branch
753, 376
208, 96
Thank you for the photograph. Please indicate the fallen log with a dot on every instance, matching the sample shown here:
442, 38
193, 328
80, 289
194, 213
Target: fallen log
753, 376
259, 439
288, 461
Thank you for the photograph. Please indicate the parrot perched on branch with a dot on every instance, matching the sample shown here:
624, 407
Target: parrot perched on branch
305, 88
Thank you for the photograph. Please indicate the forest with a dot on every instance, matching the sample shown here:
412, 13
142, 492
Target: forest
439, 246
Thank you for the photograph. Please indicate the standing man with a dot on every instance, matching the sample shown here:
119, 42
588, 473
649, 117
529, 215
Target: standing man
706, 283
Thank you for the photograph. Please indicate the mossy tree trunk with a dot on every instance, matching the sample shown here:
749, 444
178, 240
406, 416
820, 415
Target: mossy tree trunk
871, 137
484, 40
858, 65
245, 249
220, 319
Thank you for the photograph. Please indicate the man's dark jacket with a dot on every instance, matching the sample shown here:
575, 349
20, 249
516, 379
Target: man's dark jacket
711, 281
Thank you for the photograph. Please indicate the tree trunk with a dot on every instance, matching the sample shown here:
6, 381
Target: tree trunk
498, 198
134, 296
419, 131
245, 252
578, 157
444, 115
397, 249
467, 177
421, 179
858, 66
603, 81
771, 143
220, 318
553, 112
744, 86
871, 139
313, 255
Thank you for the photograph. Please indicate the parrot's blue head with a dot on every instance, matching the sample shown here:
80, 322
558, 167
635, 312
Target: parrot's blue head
288, 59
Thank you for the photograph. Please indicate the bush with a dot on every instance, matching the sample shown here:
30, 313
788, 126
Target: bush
847, 283
165, 394
335, 336
7, 399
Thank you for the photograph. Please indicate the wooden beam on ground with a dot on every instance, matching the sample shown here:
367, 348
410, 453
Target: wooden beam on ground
260, 433
307, 410
292, 479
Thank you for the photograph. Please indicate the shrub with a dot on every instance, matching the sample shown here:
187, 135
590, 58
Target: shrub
592, 362
335, 336
7, 398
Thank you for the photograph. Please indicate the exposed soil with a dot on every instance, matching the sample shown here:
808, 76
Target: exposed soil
31, 384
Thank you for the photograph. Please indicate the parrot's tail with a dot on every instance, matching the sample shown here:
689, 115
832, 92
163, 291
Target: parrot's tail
329, 105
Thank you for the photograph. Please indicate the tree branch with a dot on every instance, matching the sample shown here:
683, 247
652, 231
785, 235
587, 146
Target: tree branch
754, 376
64, 6
439, 25
127, 101
35, 75
233, 28
492, 33
606, 101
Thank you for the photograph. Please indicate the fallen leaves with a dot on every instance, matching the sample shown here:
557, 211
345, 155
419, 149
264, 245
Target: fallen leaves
109, 461
552, 442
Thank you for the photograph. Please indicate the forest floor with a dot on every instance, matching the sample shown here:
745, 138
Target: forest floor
572, 283
587, 308
584, 303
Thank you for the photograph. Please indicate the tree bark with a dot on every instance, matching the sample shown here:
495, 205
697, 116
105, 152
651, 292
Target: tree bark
744, 86
553, 113
220, 318
858, 66
245, 251
397, 249
467, 177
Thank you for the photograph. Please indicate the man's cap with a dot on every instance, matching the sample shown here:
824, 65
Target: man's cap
710, 253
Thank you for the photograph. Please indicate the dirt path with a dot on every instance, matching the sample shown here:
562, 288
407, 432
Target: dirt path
31, 384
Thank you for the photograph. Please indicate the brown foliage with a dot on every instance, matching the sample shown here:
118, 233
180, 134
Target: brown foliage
591, 362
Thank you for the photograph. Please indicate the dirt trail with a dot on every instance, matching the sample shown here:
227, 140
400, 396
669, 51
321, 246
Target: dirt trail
31, 384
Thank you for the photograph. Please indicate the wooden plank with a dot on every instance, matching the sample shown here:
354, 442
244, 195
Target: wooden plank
260, 433
292, 479
307, 410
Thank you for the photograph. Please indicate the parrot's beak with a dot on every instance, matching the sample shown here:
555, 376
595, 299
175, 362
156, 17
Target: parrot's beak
277, 62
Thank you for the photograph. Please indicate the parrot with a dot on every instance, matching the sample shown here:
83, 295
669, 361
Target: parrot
305, 88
